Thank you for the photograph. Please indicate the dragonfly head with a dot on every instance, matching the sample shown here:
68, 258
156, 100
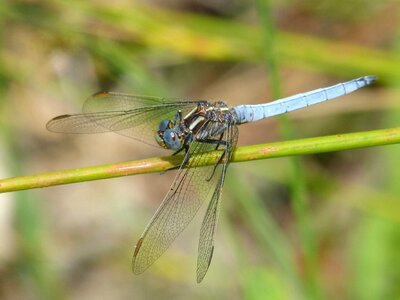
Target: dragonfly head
168, 136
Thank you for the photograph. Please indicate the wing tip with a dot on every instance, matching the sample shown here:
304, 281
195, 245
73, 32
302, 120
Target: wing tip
202, 269
50, 125
201, 275
59, 117
137, 269
101, 94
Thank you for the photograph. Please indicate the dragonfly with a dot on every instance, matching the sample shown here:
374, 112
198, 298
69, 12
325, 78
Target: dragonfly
193, 127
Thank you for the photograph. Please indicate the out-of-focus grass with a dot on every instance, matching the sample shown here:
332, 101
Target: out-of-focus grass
137, 48
77, 23
32, 238
375, 256
33, 266
272, 239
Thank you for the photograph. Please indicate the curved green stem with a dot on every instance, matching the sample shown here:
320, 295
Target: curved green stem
246, 153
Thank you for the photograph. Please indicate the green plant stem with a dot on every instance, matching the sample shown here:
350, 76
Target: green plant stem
246, 153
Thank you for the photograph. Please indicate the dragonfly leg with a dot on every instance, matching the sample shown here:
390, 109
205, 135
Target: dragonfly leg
179, 166
218, 142
178, 116
187, 154
217, 163
220, 138
186, 143
178, 151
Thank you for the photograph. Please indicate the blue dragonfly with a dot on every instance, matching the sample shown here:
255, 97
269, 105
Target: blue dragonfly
193, 127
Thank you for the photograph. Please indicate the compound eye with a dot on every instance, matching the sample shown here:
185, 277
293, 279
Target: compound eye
159, 140
164, 124
171, 139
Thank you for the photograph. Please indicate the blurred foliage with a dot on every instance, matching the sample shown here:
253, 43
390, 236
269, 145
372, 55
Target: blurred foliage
76, 241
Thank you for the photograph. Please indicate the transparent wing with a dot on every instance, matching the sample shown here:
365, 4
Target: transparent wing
133, 116
209, 225
188, 191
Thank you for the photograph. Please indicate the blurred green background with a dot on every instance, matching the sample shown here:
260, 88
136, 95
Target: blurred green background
317, 227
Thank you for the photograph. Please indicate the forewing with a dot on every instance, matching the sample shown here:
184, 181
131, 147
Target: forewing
208, 227
188, 191
133, 116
